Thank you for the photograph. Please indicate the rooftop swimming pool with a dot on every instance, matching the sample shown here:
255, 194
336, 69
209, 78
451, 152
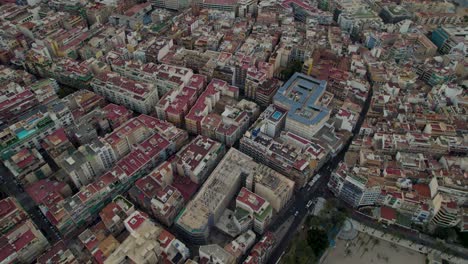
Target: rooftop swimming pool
276, 115
24, 133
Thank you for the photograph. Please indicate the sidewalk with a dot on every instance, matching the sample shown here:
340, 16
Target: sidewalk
404, 243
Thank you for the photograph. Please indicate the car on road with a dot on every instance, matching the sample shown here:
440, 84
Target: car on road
296, 213
309, 203
313, 181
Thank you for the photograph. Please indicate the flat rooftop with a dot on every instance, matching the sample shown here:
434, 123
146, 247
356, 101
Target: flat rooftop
301, 95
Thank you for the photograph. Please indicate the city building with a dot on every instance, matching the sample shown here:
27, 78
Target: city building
137, 96
28, 166
22, 244
448, 215
80, 170
58, 253
262, 250
206, 208
135, 17
56, 144
171, 4
114, 214
214, 253
198, 158
146, 242
164, 77
285, 152
33, 126
225, 6
98, 242
11, 214
42, 190
174, 105
239, 246
45, 90
173, 250
15, 100
157, 196
116, 115
271, 185
449, 37
258, 207
356, 187
71, 214
301, 96
206, 103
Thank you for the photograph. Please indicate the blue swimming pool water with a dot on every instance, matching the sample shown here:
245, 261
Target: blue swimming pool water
24, 133
276, 115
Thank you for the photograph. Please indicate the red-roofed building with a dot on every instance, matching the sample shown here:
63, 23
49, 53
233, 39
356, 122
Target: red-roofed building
262, 250
11, 214
257, 206
98, 243
83, 101
56, 143
22, 244
388, 215
198, 158
173, 250
138, 96
154, 193
57, 254
206, 103
122, 138
114, 214
40, 190
117, 115
14, 101
423, 190
147, 152
135, 220
175, 104
28, 166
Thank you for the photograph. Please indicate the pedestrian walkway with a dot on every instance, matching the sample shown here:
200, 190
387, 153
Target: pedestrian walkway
405, 243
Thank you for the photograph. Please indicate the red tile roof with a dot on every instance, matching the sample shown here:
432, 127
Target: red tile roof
165, 238
423, 190
388, 213
250, 199
40, 189
136, 220
6, 207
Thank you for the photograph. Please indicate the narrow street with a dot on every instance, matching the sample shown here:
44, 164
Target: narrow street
14, 189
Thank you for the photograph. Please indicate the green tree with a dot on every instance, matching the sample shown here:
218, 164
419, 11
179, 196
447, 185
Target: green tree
317, 240
293, 66
290, 257
444, 233
304, 253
